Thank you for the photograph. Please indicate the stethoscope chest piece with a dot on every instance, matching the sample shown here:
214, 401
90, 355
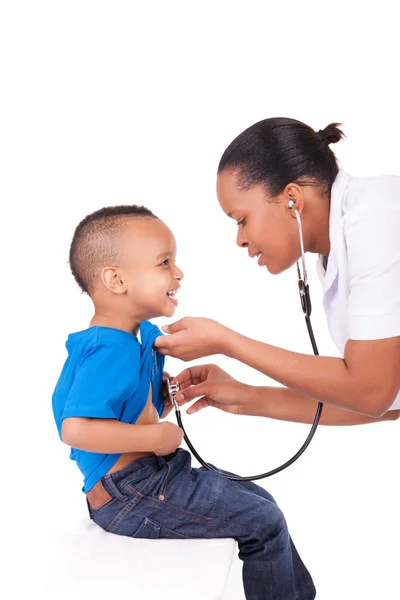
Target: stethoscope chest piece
173, 388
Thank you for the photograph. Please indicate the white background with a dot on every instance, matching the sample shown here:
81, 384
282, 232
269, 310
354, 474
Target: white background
132, 102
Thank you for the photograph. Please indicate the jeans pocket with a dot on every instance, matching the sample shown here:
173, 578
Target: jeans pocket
142, 486
104, 515
154, 484
148, 530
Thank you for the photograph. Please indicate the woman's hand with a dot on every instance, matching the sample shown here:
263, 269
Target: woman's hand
194, 337
216, 388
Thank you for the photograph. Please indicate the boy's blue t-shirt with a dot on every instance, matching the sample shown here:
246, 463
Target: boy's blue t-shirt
107, 375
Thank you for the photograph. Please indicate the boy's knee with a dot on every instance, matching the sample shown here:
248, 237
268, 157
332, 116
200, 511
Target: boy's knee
272, 521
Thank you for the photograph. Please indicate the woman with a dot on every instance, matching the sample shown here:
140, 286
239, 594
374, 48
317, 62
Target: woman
353, 224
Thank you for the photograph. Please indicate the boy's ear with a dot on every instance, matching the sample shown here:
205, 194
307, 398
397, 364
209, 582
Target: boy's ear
112, 279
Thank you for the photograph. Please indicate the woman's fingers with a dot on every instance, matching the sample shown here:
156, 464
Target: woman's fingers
190, 376
201, 403
174, 327
185, 384
162, 342
192, 392
204, 402
173, 345
197, 373
191, 338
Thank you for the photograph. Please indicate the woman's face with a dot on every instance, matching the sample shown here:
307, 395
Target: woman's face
266, 226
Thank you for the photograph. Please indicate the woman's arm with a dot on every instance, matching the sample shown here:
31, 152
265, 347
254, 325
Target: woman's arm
365, 381
287, 405
218, 389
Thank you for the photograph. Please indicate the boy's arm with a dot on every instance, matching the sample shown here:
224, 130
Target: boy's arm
109, 436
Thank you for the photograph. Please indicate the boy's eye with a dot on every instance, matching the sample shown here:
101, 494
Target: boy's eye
165, 262
242, 222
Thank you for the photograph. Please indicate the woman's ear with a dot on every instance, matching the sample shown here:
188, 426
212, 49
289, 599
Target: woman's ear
113, 280
293, 195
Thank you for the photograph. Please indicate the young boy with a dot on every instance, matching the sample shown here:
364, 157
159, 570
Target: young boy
109, 398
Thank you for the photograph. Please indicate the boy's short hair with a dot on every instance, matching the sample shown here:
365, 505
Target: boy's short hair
94, 244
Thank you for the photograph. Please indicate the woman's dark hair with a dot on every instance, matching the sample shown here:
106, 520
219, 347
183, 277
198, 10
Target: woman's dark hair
277, 151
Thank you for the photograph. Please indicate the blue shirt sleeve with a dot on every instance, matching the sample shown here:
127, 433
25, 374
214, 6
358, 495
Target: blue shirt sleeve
107, 376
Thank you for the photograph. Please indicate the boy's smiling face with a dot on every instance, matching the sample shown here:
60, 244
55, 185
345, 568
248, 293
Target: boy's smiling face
146, 272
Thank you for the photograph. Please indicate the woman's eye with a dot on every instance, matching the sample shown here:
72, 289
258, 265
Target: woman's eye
165, 262
242, 222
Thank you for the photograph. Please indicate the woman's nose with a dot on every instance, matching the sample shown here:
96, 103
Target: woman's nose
241, 238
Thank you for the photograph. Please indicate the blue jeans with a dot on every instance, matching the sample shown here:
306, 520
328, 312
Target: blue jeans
164, 497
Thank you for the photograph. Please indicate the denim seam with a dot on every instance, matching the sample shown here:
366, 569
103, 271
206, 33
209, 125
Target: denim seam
175, 533
121, 515
201, 518
111, 487
163, 503
137, 475
130, 484
132, 490
164, 485
127, 509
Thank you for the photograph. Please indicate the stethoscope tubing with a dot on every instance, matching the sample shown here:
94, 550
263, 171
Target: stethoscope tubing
305, 299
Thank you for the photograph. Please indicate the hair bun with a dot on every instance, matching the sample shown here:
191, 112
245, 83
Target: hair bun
331, 134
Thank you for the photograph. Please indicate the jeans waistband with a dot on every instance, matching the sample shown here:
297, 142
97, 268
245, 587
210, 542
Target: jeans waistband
147, 462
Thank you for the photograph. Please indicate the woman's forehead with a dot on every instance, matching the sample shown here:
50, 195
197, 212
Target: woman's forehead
233, 199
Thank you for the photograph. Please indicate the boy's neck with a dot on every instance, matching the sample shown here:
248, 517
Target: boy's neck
123, 322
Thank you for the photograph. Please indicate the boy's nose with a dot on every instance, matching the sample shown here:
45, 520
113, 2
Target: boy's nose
179, 274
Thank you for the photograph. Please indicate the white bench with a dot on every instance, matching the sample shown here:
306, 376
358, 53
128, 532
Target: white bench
87, 563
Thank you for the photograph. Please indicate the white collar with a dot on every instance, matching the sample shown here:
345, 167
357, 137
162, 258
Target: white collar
338, 191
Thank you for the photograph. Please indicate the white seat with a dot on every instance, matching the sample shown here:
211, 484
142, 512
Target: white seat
86, 562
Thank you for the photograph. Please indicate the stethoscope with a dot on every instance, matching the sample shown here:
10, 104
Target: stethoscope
305, 299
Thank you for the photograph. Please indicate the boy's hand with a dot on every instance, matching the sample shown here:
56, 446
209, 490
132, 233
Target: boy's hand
168, 406
169, 438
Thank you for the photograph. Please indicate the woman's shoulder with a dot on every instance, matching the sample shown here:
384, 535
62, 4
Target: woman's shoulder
372, 193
